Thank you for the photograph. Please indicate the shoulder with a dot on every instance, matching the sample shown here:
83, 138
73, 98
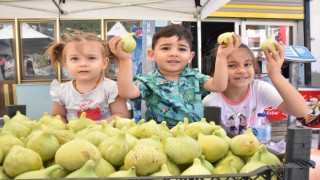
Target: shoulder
55, 84
107, 82
151, 78
258, 85
213, 98
110, 86
190, 72
194, 73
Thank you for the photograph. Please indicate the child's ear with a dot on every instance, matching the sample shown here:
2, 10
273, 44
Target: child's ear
192, 53
105, 62
151, 55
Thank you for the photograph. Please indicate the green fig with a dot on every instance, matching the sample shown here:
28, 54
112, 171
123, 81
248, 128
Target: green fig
129, 44
225, 167
20, 160
125, 173
86, 171
268, 42
223, 38
1, 155
40, 174
164, 171
2, 174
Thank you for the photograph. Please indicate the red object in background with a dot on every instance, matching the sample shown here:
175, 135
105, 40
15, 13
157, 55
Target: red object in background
282, 34
274, 114
312, 96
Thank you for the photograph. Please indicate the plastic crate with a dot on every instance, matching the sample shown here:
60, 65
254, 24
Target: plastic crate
277, 172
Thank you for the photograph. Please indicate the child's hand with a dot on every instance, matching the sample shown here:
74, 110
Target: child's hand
274, 58
115, 45
233, 43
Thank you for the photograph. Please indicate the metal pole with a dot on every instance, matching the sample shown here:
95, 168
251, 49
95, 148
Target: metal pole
198, 16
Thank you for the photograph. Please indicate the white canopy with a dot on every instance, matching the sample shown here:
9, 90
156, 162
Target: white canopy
28, 32
117, 30
184, 10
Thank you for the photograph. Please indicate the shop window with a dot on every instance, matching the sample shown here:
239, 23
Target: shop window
35, 38
78, 27
7, 52
120, 28
256, 34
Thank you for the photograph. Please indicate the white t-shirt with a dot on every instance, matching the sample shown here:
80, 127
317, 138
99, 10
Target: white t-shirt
260, 95
95, 103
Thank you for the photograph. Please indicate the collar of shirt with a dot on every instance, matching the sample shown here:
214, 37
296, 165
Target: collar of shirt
160, 80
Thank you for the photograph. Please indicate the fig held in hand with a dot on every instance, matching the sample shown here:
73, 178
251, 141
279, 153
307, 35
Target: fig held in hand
129, 42
268, 42
223, 38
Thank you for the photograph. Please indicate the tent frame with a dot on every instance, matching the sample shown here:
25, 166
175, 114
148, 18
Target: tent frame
111, 9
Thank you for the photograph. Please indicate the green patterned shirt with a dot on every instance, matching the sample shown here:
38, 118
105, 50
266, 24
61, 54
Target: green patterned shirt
172, 101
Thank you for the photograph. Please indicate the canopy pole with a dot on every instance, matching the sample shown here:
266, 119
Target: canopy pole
57, 5
199, 41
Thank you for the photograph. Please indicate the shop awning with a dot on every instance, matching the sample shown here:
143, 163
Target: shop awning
184, 10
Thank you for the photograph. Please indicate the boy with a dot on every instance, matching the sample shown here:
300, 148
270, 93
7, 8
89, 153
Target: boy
173, 91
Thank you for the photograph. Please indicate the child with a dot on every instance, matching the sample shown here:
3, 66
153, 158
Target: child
85, 57
245, 97
29, 69
173, 91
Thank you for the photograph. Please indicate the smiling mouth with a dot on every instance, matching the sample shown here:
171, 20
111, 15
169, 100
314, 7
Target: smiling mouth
83, 71
173, 61
241, 78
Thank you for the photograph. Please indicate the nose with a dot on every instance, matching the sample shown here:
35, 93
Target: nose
173, 53
83, 62
241, 69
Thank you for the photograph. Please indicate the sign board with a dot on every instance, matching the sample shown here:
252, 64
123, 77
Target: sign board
312, 97
298, 54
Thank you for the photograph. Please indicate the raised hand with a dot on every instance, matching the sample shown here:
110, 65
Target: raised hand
274, 58
233, 43
115, 45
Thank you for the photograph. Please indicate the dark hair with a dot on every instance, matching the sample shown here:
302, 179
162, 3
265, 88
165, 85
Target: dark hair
29, 64
173, 30
256, 65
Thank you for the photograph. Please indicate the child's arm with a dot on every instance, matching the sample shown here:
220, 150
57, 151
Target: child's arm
293, 102
126, 88
60, 110
118, 109
219, 81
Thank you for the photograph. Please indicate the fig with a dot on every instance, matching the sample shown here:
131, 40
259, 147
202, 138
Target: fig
268, 42
129, 42
223, 38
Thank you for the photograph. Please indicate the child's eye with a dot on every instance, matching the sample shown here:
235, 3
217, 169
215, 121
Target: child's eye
247, 64
183, 49
92, 58
74, 59
231, 65
165, 48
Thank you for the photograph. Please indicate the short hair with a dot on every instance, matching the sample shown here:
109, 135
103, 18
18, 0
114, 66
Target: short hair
173, 30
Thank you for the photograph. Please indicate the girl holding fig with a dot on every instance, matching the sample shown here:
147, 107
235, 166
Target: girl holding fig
85, 57
245, 97
173, 91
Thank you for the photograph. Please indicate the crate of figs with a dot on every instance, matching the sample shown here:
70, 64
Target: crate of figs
125, 149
